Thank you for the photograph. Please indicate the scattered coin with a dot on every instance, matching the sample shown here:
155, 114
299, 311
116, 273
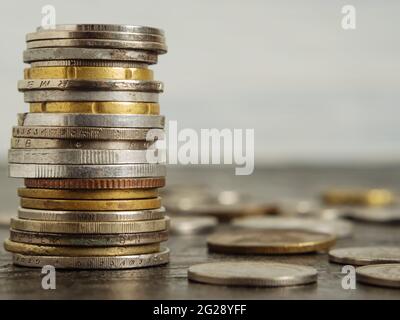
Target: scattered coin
368, 197
192, 225
365, 255
383, 275
374, 214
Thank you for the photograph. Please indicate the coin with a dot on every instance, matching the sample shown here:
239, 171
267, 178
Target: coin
89, 63
90, 227
88, 73
192, 225
383, 275
88, 133
117, 262
82, 216
87, 194
88, 240
45, 250
252, 241
91, 120
17, 170
255, 274
91, 205
133, 183
365, 255
87, 157
339, 228
369, 197
373, 214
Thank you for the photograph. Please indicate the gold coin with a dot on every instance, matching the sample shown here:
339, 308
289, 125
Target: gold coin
88, 194
91, 205
371, 197
250, 241
40, 250
88, 73
96, 107
90, 227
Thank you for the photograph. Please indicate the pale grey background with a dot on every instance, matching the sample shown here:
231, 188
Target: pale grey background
314, 92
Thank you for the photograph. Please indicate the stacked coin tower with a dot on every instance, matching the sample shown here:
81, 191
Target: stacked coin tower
87, 150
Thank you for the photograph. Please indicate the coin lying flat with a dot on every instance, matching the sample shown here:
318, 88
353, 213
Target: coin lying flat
365, 255
192, 225
265, 274
46, 250
88, 240
383, 275
368, 197
374, 214
117, 262
338, 228
252, 241
89, 63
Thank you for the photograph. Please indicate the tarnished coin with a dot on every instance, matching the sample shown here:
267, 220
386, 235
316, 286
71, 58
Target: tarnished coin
255, 274
70, 251
368, 197
88, 240
383, 275
365, 255
253, 241
130, 183
107, 263
192, 225
338, 228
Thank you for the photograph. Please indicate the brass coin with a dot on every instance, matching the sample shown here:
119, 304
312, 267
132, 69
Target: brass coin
250, 241
88, 194
91, 205
88, 73
369, 197
90, 227
129, 183
40, 250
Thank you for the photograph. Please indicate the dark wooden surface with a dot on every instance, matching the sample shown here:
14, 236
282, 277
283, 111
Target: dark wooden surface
170, 282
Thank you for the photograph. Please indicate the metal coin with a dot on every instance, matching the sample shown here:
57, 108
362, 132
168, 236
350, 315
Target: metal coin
90, 227
252, 241
70, 251
338, 228
192, 225
369, 197
73, 156
365, 255
90, 120
255, 274
133, 183
46, 54
89, 63
18, 170
371, 214
383, 275
88, 240
107, 263
88, 216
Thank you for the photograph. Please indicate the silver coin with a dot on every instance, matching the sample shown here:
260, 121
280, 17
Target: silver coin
28, 143
107, 85
61, 95
117, 262
265, 274
339, 228
88, 133
365, 255
90, 120
73, 156
374, 214
88, 240
89, 63
45, 54
192, 225
106, 28
383, 275
17, 170
158, 47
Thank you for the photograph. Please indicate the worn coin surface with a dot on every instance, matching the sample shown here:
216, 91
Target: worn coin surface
133, 183
70, 251
252, 241
192, 225
88, 240
106, 28
117, 262
365, 255
383, 275
265, 274
82, 216
338, 228
90, 227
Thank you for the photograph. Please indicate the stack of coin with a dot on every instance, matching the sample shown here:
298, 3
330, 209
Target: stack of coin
87, 150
